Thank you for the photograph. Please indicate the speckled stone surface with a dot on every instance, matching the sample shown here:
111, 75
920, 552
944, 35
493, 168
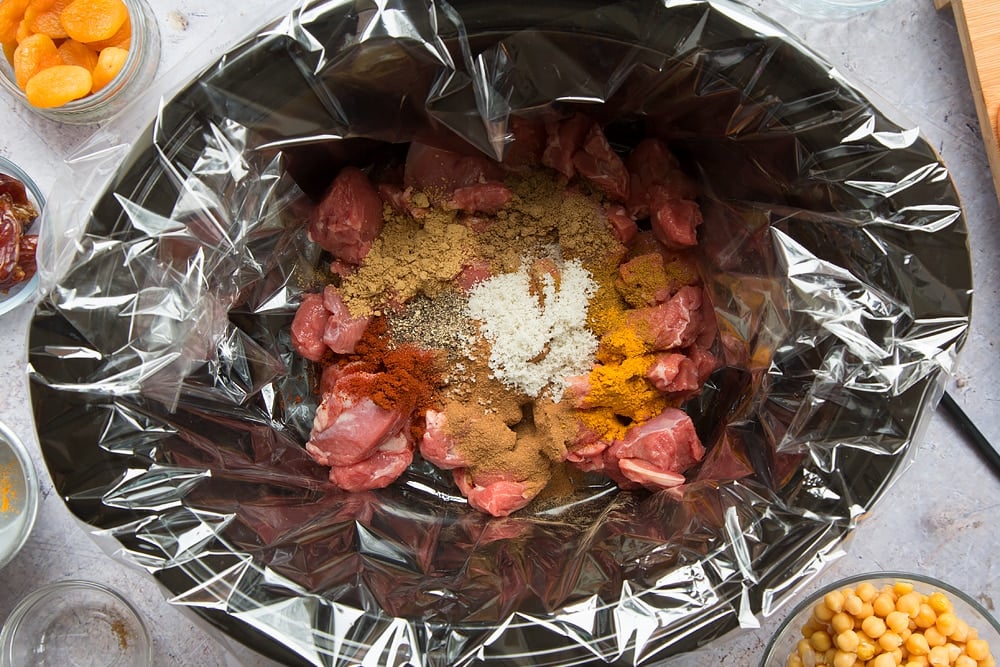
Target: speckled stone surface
937, 518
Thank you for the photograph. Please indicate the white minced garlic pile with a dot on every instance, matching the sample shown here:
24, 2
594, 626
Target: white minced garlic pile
537, 340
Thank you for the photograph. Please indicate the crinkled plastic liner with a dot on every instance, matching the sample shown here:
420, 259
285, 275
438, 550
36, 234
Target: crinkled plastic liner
172, 411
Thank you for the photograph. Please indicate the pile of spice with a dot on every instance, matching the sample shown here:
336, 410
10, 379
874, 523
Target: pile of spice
511, 322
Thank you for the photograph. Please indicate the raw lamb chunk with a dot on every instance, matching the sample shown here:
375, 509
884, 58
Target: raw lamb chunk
379, 470
437, 446
348, 429
342, 331
480, 198
656, 453
601, 166
670, 325
651, 164
348, 218
565, 137
308, 327
439, 172
621, 223
496, 496
675, 221
673, 372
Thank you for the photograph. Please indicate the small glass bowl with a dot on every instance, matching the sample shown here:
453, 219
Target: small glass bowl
967, 609
18, 495
136, 74
78, 623
828, 9
23, 291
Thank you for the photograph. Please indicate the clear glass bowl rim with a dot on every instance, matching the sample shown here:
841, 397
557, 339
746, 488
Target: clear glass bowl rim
27, 604
894, 575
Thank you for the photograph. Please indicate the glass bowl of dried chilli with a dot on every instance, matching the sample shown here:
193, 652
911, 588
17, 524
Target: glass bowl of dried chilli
902, 616
21, 203
75, 623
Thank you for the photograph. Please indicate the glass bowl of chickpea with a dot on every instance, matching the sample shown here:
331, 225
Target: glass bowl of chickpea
886, 619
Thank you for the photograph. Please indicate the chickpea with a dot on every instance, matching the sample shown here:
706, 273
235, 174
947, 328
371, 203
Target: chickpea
897, 621
977, 649
939, 602
852, 604
909, 604
821, 641
866, 591
844, 659
934, 638
873, 626
946, 623
883, 605
890, 641
834, 600
841, 622
847, 641
916, 644
885, 660
938, 656
926, 617
965, 661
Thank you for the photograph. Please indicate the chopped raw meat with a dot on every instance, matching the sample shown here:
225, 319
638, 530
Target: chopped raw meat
652, 164
621, 223
437, 446
675, 221
308, 327
439, 172
348, 429
487, 198
342, 331
657, 452
669, 325
601, 166
497, 497
673, 372
348, 218
377, 471
528, 142
565, 137
704, 361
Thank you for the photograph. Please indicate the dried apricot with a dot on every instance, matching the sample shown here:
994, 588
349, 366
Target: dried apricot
11, 14
93, 20
120, 39
109, 63
23, 30
43, 16
73, 52
55, 86
32, 55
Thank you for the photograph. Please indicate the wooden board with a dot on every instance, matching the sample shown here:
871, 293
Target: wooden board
978, 24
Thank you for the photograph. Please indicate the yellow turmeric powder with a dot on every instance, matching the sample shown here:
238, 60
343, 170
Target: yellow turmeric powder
624, 388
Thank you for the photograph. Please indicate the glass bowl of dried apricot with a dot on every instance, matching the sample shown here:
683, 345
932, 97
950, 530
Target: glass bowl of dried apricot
77, 61
886, 619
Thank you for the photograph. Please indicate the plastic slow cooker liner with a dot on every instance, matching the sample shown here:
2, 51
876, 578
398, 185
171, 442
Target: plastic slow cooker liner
172, 411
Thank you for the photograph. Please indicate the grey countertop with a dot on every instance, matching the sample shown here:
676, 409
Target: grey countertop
937, 517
